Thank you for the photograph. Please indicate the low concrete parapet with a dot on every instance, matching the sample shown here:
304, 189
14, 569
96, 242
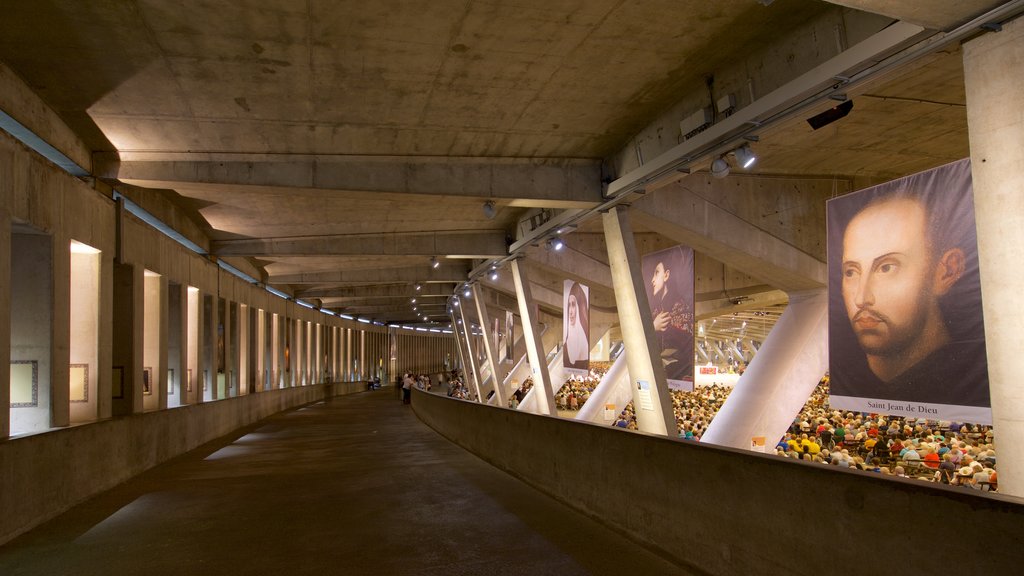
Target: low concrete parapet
725, 511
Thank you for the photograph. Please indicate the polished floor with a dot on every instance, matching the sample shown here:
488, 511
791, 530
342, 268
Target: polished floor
356, 485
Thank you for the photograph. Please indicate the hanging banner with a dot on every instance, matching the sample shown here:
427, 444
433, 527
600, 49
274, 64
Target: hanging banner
906, 332
510, 337
670, 293
576, 328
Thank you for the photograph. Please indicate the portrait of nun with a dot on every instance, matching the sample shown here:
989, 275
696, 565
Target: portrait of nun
576, 327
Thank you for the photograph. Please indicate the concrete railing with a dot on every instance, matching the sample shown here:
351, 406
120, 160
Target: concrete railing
725, 511
45, 474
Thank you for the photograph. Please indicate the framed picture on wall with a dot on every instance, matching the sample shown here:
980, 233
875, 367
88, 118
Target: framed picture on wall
170, 381
188, 384
147, 381
117, 382
24, 383
79, 383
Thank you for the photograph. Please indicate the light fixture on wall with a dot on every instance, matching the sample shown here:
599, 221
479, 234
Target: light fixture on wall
489, 209
745, 157
720, 167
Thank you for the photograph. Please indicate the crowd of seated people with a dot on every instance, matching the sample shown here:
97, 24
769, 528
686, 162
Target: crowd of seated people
576, 390
952, 453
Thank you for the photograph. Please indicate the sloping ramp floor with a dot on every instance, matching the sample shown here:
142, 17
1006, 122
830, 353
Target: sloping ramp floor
355, 485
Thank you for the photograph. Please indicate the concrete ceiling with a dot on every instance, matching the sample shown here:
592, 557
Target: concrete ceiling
332, 148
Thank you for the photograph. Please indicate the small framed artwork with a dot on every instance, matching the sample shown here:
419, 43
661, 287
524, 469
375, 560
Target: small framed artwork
24, 383
117, 382
147, 381
79, 383
206, 378
170, 381
188, 382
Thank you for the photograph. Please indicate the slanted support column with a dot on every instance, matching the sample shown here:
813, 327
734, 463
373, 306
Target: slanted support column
497, 374
468, 335
993, 67
778, 381
651, 401
458, 342
544, 394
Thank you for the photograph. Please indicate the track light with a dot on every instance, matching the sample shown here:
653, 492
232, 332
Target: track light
418, 287
554, 244
494, 275
434, 262
720, 167
466, 292
413, 300
455, 302
745, 157
489, 209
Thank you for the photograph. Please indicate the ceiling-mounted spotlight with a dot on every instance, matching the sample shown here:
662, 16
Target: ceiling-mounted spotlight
466, 292
489, 209
554, 244
455, 302
745, 157
418, 287
494, 275
719, 167
434, 263
413, 300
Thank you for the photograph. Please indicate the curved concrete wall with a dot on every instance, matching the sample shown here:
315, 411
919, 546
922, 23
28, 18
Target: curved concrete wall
45, 474
727, 511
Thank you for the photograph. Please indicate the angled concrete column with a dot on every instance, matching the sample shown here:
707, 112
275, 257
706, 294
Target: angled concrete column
497, 374
779, 379
467, 334
614, 389
545, 400
993, 67
651, 401
459, 345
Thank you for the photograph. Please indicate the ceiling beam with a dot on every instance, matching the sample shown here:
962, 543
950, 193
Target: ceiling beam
427, 290
451, 244
533, 182
444, 273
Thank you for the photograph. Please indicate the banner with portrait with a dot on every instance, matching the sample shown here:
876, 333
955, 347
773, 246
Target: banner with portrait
906, 331
576, 328
669, 276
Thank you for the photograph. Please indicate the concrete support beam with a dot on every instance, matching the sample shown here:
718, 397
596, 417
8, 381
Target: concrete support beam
545, 402
651, 400
545, 183
777, 383
451, 273
993, 66
927, 13
405, 290
473, 371
458, 244
689, 219
497, 371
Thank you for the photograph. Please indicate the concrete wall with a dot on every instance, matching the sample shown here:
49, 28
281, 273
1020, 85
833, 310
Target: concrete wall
45, 474
735, 512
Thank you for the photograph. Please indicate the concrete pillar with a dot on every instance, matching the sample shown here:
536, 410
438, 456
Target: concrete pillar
213, 346
105, 345
473, 372
5, 324
545, 396
993, 67
497, 373
651, 401
161, 383
780, 378
60, 330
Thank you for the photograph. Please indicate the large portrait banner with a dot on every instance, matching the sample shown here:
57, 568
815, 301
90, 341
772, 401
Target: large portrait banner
576, 327
906, 331
670, 292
